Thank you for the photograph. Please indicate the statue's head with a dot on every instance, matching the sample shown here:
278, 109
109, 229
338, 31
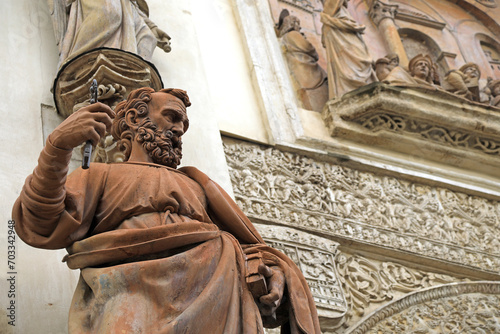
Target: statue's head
156, 121
471, 70
420, 67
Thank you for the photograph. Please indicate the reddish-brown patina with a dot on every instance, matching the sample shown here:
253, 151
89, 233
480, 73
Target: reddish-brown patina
160, 249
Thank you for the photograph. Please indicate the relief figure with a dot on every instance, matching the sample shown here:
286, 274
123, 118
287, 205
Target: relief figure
349, 60
302, 59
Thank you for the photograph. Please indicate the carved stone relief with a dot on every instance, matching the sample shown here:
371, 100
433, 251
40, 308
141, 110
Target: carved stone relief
369, 284
429, 131
315, 256
116, 71
293, 190
425, 122
452, 308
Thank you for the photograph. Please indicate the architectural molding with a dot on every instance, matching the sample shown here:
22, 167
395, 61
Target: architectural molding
428, 123
393, 215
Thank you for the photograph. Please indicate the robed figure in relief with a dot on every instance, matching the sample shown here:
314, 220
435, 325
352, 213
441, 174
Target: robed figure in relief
159, 249
349, 61
83, 25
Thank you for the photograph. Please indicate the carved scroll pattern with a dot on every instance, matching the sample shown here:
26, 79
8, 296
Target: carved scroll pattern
453, 308
315, 258
367, 282
430, 132
293, 190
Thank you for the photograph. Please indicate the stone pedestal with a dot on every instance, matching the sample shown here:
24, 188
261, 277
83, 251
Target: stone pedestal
429, 124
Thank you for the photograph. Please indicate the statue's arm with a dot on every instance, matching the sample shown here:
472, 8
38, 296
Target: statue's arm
162, 37
45, 215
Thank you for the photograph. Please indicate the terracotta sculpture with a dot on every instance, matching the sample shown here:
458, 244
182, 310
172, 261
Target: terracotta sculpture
302, 61
349, 61
160, 249
464, 81
83, 25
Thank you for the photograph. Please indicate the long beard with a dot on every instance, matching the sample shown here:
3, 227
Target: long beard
162, 146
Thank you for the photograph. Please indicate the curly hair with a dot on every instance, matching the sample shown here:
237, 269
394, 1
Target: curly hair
133, 112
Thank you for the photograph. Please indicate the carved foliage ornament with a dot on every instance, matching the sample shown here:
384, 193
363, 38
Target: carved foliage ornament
286, 188
367, 282
439, 134
452, 308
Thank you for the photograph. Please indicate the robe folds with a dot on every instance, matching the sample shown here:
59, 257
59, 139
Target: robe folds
349, 60
118, 24
159, 250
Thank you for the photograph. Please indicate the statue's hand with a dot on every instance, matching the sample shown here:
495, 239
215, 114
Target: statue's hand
163, 39
88, 123
275, 285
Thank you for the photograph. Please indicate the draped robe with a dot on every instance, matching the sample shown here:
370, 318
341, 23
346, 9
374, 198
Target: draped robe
349, 61
159, 250
91, 24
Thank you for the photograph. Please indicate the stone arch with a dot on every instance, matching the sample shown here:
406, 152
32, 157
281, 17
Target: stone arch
427, 309
416, 42
491, 53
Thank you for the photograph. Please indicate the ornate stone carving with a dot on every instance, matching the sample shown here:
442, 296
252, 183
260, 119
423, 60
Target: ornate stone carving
424, 122
380, 11
315, 256
116, 71
369, 284
294, 190
428, 131
452, 308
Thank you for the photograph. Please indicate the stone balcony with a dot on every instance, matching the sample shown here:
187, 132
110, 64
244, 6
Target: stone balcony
430, 124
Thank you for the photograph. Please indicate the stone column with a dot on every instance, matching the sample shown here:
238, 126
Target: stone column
383, 16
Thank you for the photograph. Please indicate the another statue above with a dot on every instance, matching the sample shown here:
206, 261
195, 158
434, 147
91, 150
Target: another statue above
84, 25
464, 81
302, 58
389, 71
160, 249
349, 61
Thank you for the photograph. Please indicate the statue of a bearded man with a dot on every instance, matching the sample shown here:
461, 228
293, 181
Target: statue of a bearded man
160, 249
